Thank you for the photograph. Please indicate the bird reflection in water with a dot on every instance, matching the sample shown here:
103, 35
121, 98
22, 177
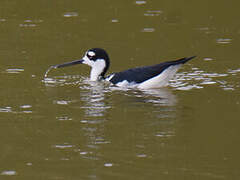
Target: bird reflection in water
94, 98
160, 96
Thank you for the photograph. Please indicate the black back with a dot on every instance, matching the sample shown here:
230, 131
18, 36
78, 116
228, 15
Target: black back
141, 74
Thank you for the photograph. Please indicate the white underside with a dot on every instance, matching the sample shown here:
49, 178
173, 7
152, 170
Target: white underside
156, 82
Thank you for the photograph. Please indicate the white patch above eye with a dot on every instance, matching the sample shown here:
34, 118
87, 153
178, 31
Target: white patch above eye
91, 53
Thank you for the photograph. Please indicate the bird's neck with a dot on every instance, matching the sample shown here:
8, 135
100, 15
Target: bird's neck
98, 70
95, 75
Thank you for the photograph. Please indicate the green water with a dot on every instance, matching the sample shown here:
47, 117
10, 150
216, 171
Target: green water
66, 127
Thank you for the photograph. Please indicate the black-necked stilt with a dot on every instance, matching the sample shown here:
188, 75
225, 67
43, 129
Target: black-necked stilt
142, 77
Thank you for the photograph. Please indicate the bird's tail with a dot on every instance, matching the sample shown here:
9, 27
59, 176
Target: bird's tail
183, 60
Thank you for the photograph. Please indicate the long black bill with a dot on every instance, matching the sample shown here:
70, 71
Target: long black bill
64, 65
68, 64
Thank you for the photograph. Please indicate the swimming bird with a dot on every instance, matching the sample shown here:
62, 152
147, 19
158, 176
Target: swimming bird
146, 77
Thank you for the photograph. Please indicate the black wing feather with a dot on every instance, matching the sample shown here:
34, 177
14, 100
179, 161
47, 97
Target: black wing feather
141, 74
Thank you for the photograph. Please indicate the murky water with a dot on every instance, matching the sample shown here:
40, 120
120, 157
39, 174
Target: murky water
66, 127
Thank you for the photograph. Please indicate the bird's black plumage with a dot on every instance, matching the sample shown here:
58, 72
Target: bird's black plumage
141, 74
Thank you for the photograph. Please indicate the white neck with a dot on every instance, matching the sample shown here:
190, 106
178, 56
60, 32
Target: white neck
97, 69
94, 75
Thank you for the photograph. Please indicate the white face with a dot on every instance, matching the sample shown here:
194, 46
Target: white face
87, 60
97, 65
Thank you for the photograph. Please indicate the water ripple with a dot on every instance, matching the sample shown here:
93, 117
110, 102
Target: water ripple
62, 80
207, 30
153, 13
148, 30
234, 71
24, 109
197, 79
63, 146
140, 2
224, 40
62, 102
9, 173
14, 70
70, 14
108, 164
30, 23
165, 134
6, 109
64, 118
115, 21
25, 106
207, 59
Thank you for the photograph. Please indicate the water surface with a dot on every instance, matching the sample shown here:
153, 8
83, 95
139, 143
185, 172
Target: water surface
66, 127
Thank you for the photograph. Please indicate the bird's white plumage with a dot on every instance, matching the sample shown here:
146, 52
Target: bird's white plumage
97, 67
109, 77
161, 80
125, 83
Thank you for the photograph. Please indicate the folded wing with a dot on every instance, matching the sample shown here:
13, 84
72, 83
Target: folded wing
141, 74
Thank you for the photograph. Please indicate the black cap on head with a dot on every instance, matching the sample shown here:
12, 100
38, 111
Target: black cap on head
99, 53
